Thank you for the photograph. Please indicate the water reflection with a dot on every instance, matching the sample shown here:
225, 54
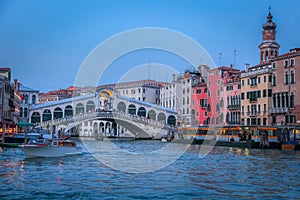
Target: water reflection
224, 173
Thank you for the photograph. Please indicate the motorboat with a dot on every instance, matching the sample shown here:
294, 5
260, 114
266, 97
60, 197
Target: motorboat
47, 149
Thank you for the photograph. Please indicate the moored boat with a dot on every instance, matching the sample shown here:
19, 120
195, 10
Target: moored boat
232, 136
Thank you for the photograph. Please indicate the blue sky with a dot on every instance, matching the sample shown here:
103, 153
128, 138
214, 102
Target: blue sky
45, 42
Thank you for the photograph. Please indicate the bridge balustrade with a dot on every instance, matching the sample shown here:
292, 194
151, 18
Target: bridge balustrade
108, 115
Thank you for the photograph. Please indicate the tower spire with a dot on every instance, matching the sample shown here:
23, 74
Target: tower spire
269, 47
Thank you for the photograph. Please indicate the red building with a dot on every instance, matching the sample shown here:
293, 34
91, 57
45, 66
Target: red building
215, 87
200, 104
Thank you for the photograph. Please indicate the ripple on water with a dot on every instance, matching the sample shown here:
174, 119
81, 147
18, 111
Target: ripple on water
226, 173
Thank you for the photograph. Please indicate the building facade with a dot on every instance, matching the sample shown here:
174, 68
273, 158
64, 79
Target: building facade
144, 90
200, 102
29, 97
256, 95
232, 99
285, 97
8, 103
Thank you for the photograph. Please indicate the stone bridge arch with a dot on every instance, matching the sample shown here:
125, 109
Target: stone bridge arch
136, 130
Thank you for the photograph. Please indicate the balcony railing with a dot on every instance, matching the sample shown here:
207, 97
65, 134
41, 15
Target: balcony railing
253, 114
234, 107
203, 105
252, 99
280, 110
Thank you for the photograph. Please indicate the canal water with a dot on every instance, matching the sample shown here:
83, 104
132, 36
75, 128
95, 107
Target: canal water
227, 173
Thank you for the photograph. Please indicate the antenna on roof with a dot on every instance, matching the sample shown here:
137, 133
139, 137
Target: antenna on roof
234, 61
220, 59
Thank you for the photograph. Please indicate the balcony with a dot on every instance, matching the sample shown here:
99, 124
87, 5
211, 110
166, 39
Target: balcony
233, 107
280, 110
253, 99
253, 85
203, 105
253, 113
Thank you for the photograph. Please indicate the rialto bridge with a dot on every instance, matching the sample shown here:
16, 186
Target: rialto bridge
105, 114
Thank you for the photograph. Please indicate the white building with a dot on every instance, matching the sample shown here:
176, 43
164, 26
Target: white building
177, 95
29, 97
144, 90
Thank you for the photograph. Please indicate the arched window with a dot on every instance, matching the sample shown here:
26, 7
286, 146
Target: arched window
286, 78
274, 80
292, 77
33, 99
25, 112
26, 99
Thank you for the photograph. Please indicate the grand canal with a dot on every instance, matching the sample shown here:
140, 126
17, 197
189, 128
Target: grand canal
227, 173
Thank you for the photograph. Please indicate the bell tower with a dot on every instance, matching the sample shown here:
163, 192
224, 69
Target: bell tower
269, 47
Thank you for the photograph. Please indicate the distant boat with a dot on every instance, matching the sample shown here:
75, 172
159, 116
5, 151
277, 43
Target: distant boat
45, 149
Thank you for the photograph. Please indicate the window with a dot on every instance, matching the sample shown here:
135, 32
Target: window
265, 107
21, 112
264, 93
265, 79
248, 81
258, 80
239, 86
26, 98
292, 62
269, 92
273, 65
33, 99
264, 121
274, 80
292, 77
292, 102
286, 78
286, 63
270, 78
242, 96
243, 82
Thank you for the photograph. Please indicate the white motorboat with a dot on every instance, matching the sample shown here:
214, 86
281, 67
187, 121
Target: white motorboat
46, 149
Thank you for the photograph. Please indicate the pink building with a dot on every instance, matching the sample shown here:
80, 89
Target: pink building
232, 99
200, 104
215, 87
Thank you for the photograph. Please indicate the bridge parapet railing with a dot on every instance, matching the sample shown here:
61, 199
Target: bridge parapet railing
109, 115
